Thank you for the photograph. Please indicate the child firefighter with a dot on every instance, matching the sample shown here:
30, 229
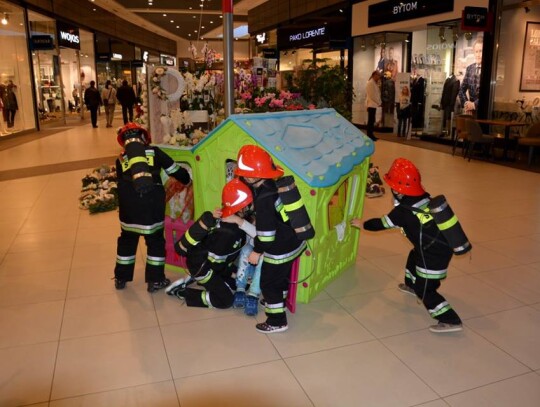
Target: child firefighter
141, 199
428, 261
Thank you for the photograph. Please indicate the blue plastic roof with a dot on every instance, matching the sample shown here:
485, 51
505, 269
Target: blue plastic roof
319, 146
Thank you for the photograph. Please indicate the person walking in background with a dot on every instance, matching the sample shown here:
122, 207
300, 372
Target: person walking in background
127, 98
427, 264
469, 91
12, 105
108, 95
92, 100
373, 101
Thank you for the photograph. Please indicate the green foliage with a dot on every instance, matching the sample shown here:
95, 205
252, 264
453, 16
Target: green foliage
323, 85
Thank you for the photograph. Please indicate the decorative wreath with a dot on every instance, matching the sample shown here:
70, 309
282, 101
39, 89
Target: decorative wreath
158, 90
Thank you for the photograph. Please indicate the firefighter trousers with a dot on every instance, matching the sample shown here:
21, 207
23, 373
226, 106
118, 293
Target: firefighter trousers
218, 292
274, 286
426, 290
127, 250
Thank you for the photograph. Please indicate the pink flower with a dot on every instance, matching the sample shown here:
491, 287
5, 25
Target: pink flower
285, 95
278, 103
246, 96
261, 101
312, 107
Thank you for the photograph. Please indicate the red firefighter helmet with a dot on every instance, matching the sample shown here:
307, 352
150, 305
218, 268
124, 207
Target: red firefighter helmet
404, 178
254, 162
235, 196
132, 130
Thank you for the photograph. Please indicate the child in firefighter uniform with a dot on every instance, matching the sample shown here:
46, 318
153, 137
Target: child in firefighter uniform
211, 247
276, 240
428, 261
141, 199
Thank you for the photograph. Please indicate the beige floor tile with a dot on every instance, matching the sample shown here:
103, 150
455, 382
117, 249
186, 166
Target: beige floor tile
92, 235
28, 324
98, 279
517, 332
520, 249
436, 403
101, 314
33, 288
200, 347
522, 391
471, 297
161, 394
26, 374
452, 363
35, 262
171, 310
358, 375
264, 385
319, 326
481, 258
29, 242
521, 225
363, 277
45, 221
388, 312
485, 230
384, 243
522, 282
99, 220
109, 362
99, 254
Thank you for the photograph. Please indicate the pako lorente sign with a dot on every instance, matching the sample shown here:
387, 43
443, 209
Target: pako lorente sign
388, 12
289, 38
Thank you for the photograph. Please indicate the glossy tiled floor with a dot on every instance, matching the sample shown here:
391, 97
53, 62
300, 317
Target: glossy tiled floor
68, 338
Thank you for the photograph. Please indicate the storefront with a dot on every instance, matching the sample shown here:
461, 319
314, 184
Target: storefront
63, 60
422, 46
16, 99
517, 85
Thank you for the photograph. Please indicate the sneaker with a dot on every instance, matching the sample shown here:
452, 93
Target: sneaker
252, 306
119, 284
239, 299
443, 327
179, 286
406, 289
270, 329
158, 285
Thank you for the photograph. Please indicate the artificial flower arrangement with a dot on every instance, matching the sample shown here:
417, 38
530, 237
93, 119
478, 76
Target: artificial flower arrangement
180, 130
157, 89
99, 190
270, 100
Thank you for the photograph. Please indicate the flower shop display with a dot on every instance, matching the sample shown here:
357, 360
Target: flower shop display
99, 190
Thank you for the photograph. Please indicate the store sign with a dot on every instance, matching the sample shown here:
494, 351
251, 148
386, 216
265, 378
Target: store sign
270, 53
68, 36
261, 38
145, 56
168, 60
116, 56
289, 38
476, 19
393, 11
41, 42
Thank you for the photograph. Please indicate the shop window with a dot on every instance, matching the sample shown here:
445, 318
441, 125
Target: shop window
337, 205
18, 108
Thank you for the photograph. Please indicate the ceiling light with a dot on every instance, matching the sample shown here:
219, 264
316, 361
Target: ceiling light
172, 21
203, 26
211, 22
164, 15
5, 19
177, 26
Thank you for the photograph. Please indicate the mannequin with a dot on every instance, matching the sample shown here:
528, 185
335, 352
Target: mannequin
11, 104
418, 96
448, 99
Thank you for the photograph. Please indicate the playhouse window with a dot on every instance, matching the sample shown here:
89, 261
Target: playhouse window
337, 204
230, 166
178, 197
352, 195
